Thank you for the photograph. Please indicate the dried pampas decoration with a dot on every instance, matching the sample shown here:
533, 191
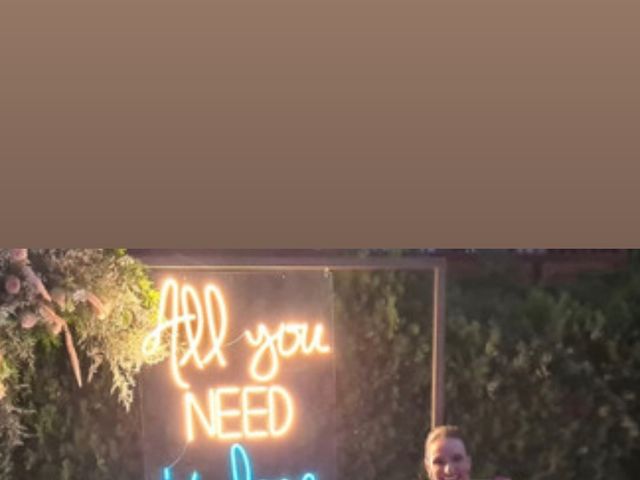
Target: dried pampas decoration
73, 356
96, 304
58, 324
12, 285
18, 255
59, 297
34, 280
28, 320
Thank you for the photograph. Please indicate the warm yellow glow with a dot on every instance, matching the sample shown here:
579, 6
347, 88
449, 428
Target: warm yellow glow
273, 403
316, 342
294, 340
223, 412
191, 406
248, 411
196, 322
181, 306
274, 429
189, 298
287, 340
211, 292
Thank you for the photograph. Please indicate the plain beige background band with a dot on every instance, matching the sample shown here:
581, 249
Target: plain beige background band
319, 123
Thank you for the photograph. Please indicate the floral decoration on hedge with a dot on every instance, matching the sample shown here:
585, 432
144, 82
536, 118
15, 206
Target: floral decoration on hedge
96, 304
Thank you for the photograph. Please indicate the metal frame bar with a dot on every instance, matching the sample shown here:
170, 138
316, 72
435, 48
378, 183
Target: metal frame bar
200, 260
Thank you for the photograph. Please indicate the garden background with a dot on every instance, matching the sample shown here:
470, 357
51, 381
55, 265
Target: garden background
543, 376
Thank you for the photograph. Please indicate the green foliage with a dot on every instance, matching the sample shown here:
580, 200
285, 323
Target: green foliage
100, 300
127, 292
544, 381
76, 433
383, 363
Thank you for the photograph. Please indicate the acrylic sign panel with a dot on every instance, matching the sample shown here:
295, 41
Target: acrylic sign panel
248, 389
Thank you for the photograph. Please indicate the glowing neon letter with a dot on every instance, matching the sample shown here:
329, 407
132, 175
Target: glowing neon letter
180, 306
191, 406
226, 412
271, 346
274, 429
248, 411
236, 451
240, 467
240, 461
277, 410
167, 474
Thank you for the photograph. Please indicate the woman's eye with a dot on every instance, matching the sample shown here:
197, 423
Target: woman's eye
438, 461
457, 458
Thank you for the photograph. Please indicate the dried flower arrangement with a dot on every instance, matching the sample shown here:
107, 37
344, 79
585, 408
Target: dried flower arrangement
100, 302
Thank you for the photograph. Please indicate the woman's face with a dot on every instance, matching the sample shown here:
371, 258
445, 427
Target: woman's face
447, 459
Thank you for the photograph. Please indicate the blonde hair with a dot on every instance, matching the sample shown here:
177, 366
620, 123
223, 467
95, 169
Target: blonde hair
442, 431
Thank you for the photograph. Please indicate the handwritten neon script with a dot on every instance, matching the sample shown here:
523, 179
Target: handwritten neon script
240, 467
287, 340
204, 322
180, 306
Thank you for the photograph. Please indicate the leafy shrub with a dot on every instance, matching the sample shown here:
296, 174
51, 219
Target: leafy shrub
543, 380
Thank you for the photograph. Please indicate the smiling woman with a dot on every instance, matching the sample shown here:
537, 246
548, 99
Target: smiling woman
445, 455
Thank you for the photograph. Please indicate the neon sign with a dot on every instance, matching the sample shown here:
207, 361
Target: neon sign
241, 406
271, 346
180, 306
242, 368
240, 467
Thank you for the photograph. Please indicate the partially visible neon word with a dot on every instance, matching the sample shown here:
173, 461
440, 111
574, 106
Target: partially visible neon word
234, 413
239, 459
198, 327
240, 467
180, 306
287, 340
181, 310
167, 474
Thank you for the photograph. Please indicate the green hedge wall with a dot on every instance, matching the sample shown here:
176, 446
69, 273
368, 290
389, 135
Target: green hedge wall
76, 433
544, 381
